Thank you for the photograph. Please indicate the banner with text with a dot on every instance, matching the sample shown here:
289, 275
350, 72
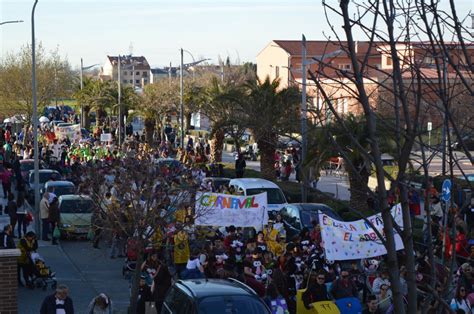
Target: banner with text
214, 209
73, 132
356, 239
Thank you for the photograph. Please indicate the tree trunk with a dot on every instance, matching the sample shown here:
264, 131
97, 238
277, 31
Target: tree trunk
358, 189
149, 130
187, 121
136, 279
217, 145
86, 119
267, 159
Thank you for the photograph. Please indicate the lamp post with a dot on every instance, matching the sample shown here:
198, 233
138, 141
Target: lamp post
304, 122
181, 100
11, 22
35, 118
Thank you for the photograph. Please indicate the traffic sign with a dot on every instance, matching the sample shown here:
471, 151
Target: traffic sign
446, 190
429, 127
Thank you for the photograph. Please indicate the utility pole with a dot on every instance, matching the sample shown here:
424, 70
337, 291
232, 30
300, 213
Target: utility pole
82, 105
35, 120
119, 103
304, 110
181, 104
445, 116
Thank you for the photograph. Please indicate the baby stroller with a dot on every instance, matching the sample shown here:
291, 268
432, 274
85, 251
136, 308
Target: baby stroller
42, 275
131, 260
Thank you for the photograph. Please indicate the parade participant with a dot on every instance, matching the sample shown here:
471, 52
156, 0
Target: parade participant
316, 290
161, 284
181, 250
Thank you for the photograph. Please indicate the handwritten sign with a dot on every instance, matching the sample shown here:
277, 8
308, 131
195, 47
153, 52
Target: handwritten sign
73, 132
356, 239
106, 137
213, 209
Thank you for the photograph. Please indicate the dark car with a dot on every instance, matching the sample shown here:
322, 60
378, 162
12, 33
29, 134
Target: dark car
212, 296
297, 216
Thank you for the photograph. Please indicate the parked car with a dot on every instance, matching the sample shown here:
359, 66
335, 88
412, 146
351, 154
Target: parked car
217, 182
212, 296
59, 188
75, 215
29, 164
297, 216
250, 186
44, 176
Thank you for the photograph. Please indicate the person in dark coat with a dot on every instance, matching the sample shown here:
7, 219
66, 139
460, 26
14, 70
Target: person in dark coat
54, 217
343, 287
59, 300
240, 165
316, 291
161, 284
6, 238
144, 295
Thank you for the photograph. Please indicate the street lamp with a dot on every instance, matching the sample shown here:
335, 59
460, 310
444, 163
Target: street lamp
11, 22
82, 86
35, 118
304, 106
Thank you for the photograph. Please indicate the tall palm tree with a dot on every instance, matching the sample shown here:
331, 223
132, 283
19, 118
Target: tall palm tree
269, 111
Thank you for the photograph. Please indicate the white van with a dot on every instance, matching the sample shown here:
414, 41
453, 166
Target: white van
251, 186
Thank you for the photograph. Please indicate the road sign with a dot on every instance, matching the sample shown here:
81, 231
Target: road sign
446, 190
429, 126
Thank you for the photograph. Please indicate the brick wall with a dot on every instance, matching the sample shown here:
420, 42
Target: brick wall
8, 281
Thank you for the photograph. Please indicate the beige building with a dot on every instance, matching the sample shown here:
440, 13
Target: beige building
282, 59
134, 70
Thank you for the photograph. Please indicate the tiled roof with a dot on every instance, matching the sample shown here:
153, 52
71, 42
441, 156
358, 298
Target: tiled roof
320, 47
140, 62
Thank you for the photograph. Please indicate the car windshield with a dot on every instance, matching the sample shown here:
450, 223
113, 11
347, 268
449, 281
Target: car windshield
232, 304
64, 190
274, 196
77, 206
43, 177
27, 166
309, 214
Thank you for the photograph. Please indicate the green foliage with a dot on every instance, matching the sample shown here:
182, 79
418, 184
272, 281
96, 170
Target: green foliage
54, 79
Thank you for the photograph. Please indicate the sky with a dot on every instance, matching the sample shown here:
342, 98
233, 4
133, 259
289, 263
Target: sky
157, 29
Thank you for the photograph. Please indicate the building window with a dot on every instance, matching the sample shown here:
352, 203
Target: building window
344, 66
131, 81
345, 105
277, 71
144, 74
125, 81
145, 81
389, 61
124, 73
137, 73
137, 81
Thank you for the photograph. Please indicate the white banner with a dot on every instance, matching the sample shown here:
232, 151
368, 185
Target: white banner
356, 239
73, 132
213, 209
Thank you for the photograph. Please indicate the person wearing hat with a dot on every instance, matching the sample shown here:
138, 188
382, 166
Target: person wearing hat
101, 304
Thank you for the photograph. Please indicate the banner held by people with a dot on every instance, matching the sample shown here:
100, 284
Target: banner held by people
213, 209
357, 239
72, 132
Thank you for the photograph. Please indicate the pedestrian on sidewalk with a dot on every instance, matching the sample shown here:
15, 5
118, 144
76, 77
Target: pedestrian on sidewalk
11, 210
6, 238
59, 302
54, 217
6, 182
21, 211
27, 245
44, 215
101, 304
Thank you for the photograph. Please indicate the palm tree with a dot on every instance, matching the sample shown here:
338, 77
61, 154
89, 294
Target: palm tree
268, 111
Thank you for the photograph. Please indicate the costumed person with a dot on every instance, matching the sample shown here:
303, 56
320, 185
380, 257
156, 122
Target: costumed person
181, 250
270, 236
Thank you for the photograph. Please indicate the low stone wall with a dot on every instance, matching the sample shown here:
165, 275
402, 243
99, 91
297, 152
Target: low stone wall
9, 281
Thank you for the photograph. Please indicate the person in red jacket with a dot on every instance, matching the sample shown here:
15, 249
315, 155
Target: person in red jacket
461, 246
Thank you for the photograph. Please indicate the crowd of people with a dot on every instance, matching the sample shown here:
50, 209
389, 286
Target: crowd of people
275, 266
